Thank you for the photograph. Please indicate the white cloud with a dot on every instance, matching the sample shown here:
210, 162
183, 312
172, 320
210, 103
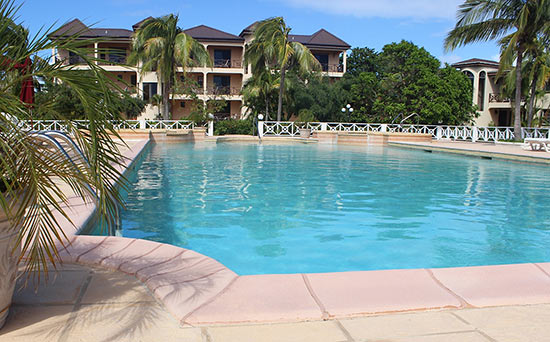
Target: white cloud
450, 59
423, 9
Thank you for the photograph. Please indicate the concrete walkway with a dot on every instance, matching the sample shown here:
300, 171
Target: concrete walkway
486, 150
101, 305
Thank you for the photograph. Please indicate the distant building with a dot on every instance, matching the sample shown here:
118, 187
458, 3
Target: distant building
224, 80
493, 107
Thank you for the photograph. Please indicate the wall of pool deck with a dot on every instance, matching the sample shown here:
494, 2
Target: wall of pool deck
198, 290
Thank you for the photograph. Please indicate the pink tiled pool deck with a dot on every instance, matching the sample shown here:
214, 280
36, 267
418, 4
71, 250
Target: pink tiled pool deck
198, 290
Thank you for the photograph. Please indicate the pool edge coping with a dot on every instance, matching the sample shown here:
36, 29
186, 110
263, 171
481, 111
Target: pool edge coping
198, 290
472, 153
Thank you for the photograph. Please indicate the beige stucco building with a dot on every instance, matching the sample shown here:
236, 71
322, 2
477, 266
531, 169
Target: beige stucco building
224, 80
494, 108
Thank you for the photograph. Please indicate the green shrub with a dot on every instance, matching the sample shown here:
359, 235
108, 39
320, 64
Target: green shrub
232, 126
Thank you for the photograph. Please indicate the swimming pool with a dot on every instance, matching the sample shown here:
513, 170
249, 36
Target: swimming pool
307, 208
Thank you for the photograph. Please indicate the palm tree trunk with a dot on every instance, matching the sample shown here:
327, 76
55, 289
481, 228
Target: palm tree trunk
166, 101
267, 108
532, 102
281, 91
517, 109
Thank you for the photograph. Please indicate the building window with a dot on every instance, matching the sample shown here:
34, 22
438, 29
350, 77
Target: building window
149, 89
75, 59
470, 76
119, 77
222, 84
182, 104
133, 80
222, 58
323, 60
223, 113
117, 56
200, 81
481, 91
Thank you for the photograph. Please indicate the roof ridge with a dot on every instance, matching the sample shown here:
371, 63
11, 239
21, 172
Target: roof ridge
212, 28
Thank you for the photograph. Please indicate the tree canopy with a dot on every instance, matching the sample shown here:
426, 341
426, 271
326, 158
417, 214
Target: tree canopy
401, 79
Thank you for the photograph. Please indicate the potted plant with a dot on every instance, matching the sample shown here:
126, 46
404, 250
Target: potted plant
305, 116
36, 177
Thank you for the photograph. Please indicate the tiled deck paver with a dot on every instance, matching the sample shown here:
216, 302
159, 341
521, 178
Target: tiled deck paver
112, 306
269, 298
497, 285
353, 293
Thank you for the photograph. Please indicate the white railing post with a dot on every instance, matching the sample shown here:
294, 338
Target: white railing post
383, 128
475, 133
323, 126
260, 129
142, 124
438, 133
210, 132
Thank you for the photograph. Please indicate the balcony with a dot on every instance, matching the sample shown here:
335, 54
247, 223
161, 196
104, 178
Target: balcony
113, 60
499, 98
75, 60
223, 91
227, 63
325, 67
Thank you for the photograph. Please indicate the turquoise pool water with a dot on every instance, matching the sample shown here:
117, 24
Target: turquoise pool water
306, 208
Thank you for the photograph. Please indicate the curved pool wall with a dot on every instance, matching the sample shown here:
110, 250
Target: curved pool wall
391, 209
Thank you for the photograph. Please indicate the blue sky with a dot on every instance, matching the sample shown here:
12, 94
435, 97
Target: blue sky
371, 23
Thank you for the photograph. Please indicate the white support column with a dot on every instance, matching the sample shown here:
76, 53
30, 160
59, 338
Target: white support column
324, 126
383, 128
96, 52
204, 82
210, 128
475, 134
345, 60
261, 128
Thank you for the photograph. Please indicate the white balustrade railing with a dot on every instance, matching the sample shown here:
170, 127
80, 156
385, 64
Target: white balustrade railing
59, 125
438, 132
292, 129
169, 124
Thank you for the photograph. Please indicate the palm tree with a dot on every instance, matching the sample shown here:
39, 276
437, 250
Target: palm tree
272, 49
160, 44
33, 177
484, 20
261, 85
538, 71
156, 100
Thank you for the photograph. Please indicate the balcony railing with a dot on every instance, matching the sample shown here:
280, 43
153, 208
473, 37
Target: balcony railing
75, 60
227, 63
223, 91
496, 97
332, 67
113, 60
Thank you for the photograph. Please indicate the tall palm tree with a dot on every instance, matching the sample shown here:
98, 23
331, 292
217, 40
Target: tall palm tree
160, 44
538, 72
32, 177
262, 85
516, 23
271, 48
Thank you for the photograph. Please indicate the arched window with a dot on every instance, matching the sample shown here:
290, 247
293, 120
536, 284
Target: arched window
481, 90
470, 76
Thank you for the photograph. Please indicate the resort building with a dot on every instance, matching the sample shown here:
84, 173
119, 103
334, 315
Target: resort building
224, 80
494, 107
